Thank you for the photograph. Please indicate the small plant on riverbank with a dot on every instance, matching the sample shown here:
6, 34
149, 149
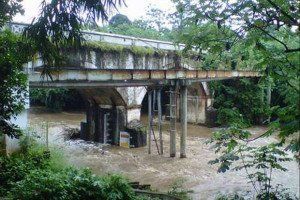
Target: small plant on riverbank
37, 173
238, 153
177, 190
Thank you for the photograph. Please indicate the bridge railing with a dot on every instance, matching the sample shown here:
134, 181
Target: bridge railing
113, 38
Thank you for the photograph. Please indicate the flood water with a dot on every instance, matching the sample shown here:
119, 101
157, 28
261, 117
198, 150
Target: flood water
158, 170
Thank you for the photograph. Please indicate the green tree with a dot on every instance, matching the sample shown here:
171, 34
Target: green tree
119, 19
261, 35
13, 53
152, 26
59, 25
238, 102
8, 9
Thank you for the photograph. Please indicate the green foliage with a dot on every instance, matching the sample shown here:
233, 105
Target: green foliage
239, 102
72, 184
261, 35
16, 167
119, 19
13, 53
9, 8
138, 51
56, 99
177, 190
152, 26
59, 25
105, 47
37, 173
259, 162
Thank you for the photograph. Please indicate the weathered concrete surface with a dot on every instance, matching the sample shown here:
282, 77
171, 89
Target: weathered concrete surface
75, 78
99, 59
198, 100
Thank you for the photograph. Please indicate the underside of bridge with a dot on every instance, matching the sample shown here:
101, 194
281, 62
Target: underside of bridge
110, 110
115, 98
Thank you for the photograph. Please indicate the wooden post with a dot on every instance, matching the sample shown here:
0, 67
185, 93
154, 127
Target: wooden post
172, 122
183, 103
159, 121
149, 120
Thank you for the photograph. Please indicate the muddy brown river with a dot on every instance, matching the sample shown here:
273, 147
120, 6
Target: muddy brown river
160, 171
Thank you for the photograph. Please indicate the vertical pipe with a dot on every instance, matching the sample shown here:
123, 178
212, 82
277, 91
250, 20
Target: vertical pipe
116, 140
89, 119
149, 120
197, 109
159, 121
105, 129
183, 91
153, 102
172, 122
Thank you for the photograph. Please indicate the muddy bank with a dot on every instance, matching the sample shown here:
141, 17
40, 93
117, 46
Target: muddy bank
159, 171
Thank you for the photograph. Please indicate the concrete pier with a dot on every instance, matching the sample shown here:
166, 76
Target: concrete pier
90, 122
172, 121
183, 116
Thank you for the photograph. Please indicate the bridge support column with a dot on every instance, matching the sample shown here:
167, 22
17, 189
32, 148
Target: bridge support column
90, 122
172, 121
183, 116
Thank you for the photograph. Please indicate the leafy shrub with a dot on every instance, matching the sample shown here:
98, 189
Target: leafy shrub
72, 184
239, 102
231, 116
177, 190
16, 167
37, 173
40, 184
55, 99
259, 162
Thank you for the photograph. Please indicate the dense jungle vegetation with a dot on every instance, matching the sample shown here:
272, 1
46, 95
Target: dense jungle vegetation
261, 35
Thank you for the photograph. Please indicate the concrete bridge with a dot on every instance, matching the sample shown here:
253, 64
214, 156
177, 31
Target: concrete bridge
122, 76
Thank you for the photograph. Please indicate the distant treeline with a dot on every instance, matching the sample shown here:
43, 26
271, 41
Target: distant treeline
57, 99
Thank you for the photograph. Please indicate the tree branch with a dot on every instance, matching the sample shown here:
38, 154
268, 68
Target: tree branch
271, 36
283, 12
292, 50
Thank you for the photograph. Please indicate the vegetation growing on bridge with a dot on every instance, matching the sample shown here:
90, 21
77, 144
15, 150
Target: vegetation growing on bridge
113, 48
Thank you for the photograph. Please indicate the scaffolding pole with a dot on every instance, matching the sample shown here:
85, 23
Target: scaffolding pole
159, 121
149, 120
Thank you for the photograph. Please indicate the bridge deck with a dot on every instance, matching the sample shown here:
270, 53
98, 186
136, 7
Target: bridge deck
74, 78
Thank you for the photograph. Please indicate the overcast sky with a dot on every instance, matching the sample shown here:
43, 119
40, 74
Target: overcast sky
134, 10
